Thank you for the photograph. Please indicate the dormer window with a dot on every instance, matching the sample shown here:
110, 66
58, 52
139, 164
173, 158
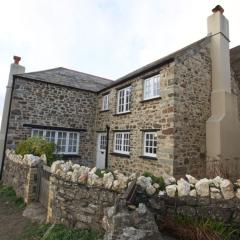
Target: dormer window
152, 87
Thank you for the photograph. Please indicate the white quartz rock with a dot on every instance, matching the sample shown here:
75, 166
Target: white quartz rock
171, 190
193, 193
108, 179
238, 193
56, 165
217, 181
202, 187
183, 187
227, 189
191, 179
144, 182
150, 190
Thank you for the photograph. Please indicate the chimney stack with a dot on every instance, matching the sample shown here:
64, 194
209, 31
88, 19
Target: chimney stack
223, 127
16, 59
15, 68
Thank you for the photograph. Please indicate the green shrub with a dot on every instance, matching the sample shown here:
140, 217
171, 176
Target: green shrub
37, 147
158, 180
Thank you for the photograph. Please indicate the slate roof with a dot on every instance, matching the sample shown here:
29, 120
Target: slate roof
235, 61
70, 78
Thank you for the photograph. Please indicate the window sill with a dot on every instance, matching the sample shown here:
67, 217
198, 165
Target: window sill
120, 154
148, 157
124, 113
150, 99
67, 154
104, 111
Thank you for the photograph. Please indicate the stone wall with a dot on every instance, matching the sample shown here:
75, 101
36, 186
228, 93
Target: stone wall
39, 103
20, 172
191, 110
78, 205
156, 114
78, 195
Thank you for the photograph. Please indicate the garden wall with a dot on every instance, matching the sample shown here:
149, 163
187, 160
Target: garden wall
20, 172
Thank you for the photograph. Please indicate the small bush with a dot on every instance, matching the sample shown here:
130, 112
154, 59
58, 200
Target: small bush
37, 147
158, 180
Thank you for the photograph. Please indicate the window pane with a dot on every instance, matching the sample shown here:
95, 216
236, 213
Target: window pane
150, 144
152, 87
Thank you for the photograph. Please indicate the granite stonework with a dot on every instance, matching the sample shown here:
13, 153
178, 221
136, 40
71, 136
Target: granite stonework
156, 114
179, 117
39, 103
78, 205
192, 108
20, 172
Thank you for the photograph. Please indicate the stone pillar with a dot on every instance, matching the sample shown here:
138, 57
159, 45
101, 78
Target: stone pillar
15, 68
223, 127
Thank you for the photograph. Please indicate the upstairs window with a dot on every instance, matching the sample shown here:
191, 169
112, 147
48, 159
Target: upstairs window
152, 87
124, 100
122, 142
105, 102
66, 142
150, 144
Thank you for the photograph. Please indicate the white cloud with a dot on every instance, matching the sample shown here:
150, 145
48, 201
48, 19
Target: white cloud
102, 37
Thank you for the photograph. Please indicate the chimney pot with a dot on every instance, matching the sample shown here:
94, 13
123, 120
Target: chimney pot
218, 8
16, 59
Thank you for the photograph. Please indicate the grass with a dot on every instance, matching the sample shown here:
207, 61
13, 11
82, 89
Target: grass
188, 228
58, 232
8, 194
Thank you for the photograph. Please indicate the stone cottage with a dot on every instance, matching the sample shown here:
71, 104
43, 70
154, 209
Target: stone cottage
174, 116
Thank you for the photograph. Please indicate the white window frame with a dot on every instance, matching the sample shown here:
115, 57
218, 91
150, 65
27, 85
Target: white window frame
123, 144
152, 146
124, 100
105, 102
151, 87
68, 133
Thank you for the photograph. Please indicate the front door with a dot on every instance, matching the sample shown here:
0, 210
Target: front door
101, 150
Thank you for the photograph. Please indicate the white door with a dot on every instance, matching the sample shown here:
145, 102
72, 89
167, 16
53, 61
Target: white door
101, 150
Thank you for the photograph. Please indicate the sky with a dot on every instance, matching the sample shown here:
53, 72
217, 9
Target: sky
107, 38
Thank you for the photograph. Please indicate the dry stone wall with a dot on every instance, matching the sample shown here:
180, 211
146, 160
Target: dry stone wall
20, 172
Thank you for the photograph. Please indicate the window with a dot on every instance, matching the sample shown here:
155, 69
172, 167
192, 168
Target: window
66, 142
103, 141
150, 144
105, 102
122, 142
124, 99
152, 87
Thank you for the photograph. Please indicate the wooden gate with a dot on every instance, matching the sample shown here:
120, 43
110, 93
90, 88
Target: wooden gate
44, 173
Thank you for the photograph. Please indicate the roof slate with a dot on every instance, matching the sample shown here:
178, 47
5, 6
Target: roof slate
70, 78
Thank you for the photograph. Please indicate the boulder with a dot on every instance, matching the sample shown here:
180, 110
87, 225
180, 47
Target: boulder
75, 175
156, 185
56, 166
92, 179
130, 225
217, 181
122, 179
238, 183
150, 190
227, 189
108, 179
191, 179
67, 166
75, 166
183, 187
171, 190
215, 193
170, 180
202, 187
193, 193
83, 178
238, 193
144, 182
